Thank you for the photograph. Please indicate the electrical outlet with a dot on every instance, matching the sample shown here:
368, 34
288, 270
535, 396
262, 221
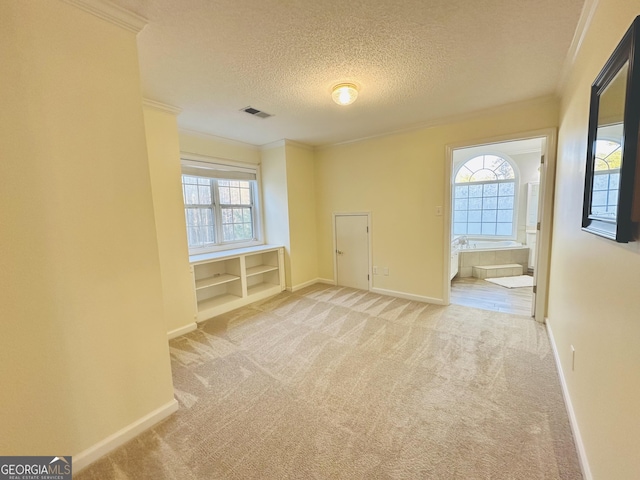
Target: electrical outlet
573, 358
375, 270
386, 271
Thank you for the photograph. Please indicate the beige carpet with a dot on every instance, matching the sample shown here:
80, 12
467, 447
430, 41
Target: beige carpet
336, 383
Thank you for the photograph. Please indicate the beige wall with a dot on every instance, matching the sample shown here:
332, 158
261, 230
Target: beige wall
594, 303
400, 179
82, 351
164, 168
288, 192
221, 148
275, 202
302, 214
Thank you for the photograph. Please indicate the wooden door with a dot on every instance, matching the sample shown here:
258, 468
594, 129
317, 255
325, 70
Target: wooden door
352, 251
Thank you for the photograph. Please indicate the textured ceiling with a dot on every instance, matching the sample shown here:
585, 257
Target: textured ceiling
415, 61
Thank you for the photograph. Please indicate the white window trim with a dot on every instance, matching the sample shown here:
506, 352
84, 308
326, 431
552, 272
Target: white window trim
516, 197
192, 159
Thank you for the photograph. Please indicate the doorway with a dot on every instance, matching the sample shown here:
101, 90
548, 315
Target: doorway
352, 250
498, 235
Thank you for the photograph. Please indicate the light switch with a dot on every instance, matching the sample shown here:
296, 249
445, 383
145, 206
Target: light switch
439, 211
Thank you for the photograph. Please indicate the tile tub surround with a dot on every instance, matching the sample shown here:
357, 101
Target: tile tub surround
495, 271
470, 259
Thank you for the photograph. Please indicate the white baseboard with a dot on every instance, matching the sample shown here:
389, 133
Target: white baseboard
295, 288
381, 291
408, 296
100, 449
582, 454
182, 330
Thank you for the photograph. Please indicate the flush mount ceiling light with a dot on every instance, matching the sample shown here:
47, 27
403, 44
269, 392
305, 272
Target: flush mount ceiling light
344, 93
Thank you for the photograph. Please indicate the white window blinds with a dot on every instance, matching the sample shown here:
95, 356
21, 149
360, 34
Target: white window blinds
217, 170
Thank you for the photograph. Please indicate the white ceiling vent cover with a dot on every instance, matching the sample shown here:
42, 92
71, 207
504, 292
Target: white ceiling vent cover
255, 112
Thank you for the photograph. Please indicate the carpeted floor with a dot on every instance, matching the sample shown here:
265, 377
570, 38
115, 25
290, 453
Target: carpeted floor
336, 383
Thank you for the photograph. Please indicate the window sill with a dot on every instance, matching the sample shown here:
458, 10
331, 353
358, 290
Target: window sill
224, 247
236, 252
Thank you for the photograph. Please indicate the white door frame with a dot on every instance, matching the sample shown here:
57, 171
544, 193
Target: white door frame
369, 253
547, 184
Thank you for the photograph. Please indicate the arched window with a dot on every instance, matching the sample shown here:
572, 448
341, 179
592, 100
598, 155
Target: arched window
484, 197
606, 178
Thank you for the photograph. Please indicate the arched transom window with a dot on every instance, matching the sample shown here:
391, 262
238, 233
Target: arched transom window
484, 197
606, 178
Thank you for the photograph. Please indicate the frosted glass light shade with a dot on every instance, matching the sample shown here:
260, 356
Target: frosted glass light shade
344, 93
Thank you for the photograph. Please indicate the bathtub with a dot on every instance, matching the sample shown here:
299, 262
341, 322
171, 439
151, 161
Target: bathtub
478, 245
482, 253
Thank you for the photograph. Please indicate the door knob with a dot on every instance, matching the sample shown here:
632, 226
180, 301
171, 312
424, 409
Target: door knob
339, 252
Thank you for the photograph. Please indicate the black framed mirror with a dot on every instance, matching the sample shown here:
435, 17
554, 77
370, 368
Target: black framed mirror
611, 207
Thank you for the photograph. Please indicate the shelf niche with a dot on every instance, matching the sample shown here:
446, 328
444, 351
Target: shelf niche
224, 281
217, 283
262, 272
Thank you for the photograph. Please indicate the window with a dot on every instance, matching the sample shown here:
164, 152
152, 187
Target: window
484, 197
606, 178
220, 204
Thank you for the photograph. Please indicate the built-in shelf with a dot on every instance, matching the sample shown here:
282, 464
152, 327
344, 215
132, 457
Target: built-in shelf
219, 280
260, 269
262, 272
217, 301
260, 288
224, 281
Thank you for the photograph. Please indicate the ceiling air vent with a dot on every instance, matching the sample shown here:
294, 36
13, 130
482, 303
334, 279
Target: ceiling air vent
256, 113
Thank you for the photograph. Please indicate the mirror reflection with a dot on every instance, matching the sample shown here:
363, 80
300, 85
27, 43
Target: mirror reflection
608, 148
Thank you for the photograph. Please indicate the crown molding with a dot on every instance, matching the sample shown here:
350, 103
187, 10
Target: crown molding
301, 145
209, 136
276, 144
284, 143
111, 13
161, 106
588, 10
449, 120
